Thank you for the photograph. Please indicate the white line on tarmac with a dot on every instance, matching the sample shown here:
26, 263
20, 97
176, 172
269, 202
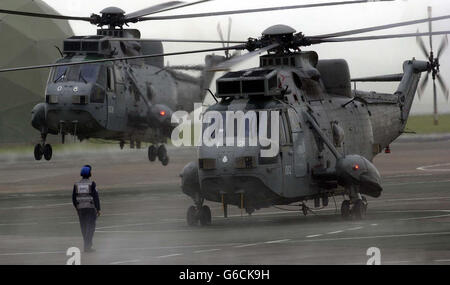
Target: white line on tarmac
19, 224
425, 167
207, 250
442, 260
335, 232
31, 253
169, 255
246, 245
419, 182
355, 228
373, 237
311, 236
426, 217
125, 261
277, 241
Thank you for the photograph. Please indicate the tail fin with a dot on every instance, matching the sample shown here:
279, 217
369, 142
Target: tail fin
408, 86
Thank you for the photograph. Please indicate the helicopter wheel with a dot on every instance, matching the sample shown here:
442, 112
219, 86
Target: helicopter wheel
48, 152
204, 215
162, 155
359, 209
304, 210
38, 152
345, 209
152, 153
165, 161
191, 216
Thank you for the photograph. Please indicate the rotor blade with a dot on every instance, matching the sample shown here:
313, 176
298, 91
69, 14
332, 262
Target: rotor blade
117, 59
422, 46
177, 7
422, 85
198, 15
230, 23
176, 41
430, 28
219, 31
152, 9
368, 38
47, 16
226, 65
443, 86
383, 27
187, 67
443, 46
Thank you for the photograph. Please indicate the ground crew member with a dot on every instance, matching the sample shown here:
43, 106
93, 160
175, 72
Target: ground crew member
85, 200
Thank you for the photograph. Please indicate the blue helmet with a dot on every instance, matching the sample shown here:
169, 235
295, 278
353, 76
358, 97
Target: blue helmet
86, 171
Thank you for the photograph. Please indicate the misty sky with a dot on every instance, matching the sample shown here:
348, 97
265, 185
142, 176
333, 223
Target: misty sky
365, 58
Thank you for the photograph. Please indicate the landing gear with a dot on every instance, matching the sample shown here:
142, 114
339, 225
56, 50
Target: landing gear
357, 211
43, 149
304, 209
162, 155
360, 208
48, 152
345, 209
198, 213
195, 215
38, 152
152, 153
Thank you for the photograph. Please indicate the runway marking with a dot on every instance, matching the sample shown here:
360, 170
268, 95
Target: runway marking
419, 182
246, 245
169, 255
277, 241
442, 260
207, 250
32, 253
373, 237
355, 228
426, 167
311, 236
335, 232
426, 217
19, 224
407, 175
125, 261
374, 225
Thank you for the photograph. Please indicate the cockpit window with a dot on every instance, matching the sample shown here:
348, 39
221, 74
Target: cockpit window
87, 73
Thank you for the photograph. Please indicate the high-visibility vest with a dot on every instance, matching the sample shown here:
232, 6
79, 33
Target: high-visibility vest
83, 192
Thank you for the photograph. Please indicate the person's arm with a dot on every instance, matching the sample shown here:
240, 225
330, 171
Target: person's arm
74, 197
95, 196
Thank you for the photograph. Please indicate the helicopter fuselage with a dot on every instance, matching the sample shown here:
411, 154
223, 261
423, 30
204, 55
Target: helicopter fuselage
358, 125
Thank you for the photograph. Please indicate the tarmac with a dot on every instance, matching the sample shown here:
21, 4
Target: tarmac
143, 214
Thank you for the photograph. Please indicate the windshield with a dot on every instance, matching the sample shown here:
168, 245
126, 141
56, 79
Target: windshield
87, 73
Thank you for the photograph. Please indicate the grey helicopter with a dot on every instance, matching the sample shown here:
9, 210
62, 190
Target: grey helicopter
328, 134
130, 100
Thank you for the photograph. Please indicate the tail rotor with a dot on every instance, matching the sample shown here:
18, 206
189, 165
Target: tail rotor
433, 67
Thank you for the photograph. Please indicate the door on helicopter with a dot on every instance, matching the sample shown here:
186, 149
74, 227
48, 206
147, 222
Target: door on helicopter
116, 94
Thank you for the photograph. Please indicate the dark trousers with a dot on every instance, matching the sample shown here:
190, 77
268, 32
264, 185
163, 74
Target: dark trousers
87, 222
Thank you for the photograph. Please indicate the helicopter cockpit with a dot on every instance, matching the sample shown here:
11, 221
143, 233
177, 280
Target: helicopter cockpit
88, 83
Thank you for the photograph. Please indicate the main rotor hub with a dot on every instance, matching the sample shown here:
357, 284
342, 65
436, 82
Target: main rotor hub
111, 16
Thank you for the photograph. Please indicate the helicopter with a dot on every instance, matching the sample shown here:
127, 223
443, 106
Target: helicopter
126, 101
325, 134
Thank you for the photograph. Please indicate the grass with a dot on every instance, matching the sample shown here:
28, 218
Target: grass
424, 124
